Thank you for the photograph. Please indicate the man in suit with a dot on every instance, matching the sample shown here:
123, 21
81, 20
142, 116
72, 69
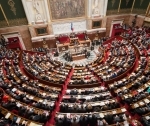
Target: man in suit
92, 119
83, 121
73, 92
109, 118
66, 121
72, 99
59, 121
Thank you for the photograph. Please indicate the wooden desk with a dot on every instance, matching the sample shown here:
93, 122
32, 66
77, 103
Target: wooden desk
78, 57
62, 47
22, 119
112, 111
141, 103
86, 43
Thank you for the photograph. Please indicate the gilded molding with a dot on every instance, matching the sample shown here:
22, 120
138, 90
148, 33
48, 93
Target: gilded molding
132, 5
148, 10
11, 3
119, 5
139, 11
110, 12
124, 11
14, 22
3, 24
1, 8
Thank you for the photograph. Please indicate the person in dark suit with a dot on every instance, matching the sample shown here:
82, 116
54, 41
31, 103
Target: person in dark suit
109, 118
73, 92
59, 121
83, 121
44, 118
21, 111
92, 120
83, 109
36, 118
66, 121
72, 99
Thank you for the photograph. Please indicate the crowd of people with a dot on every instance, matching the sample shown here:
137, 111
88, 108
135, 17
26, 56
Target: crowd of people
23, 95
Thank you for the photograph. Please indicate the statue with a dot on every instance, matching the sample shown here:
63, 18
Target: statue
36, 6
96, 8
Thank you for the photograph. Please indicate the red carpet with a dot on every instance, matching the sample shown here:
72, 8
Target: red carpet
56, 109
51, 121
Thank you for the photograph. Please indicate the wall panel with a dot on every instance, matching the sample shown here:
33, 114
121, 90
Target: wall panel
112, 7
140, 6
14, 12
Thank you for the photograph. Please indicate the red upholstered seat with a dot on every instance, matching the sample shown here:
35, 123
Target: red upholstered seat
64, 39
14, 111
5, 98
81, 36
14, 43
116, 25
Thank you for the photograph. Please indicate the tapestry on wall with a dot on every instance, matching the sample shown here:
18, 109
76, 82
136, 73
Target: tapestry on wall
61, 9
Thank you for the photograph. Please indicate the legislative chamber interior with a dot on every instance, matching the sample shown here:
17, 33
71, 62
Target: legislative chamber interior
74, 62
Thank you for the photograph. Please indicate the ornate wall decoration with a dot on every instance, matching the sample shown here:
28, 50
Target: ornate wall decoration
11, 3
95, 10
127, 1
111, 12
113, 2
112, 7
66, 27
14, 22
140, 6
3, 24
61, 9
141, 1
148, 11
37, 7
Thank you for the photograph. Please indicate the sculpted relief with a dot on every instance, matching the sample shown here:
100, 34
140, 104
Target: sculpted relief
61, 9
65, 27
98, 7
37, 8
95, 7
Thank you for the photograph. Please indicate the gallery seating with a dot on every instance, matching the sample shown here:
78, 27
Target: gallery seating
112, 89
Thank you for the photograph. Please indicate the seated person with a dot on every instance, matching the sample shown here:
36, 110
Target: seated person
72, 35
72, 99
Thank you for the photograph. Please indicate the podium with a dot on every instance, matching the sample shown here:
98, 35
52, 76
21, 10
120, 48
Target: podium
78, 57
73, 42
62, 47
86, 43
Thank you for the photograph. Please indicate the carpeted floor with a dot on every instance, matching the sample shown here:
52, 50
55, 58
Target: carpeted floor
52, 121
82, 62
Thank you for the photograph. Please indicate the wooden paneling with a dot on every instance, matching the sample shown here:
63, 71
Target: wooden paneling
101, 34
50, 43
